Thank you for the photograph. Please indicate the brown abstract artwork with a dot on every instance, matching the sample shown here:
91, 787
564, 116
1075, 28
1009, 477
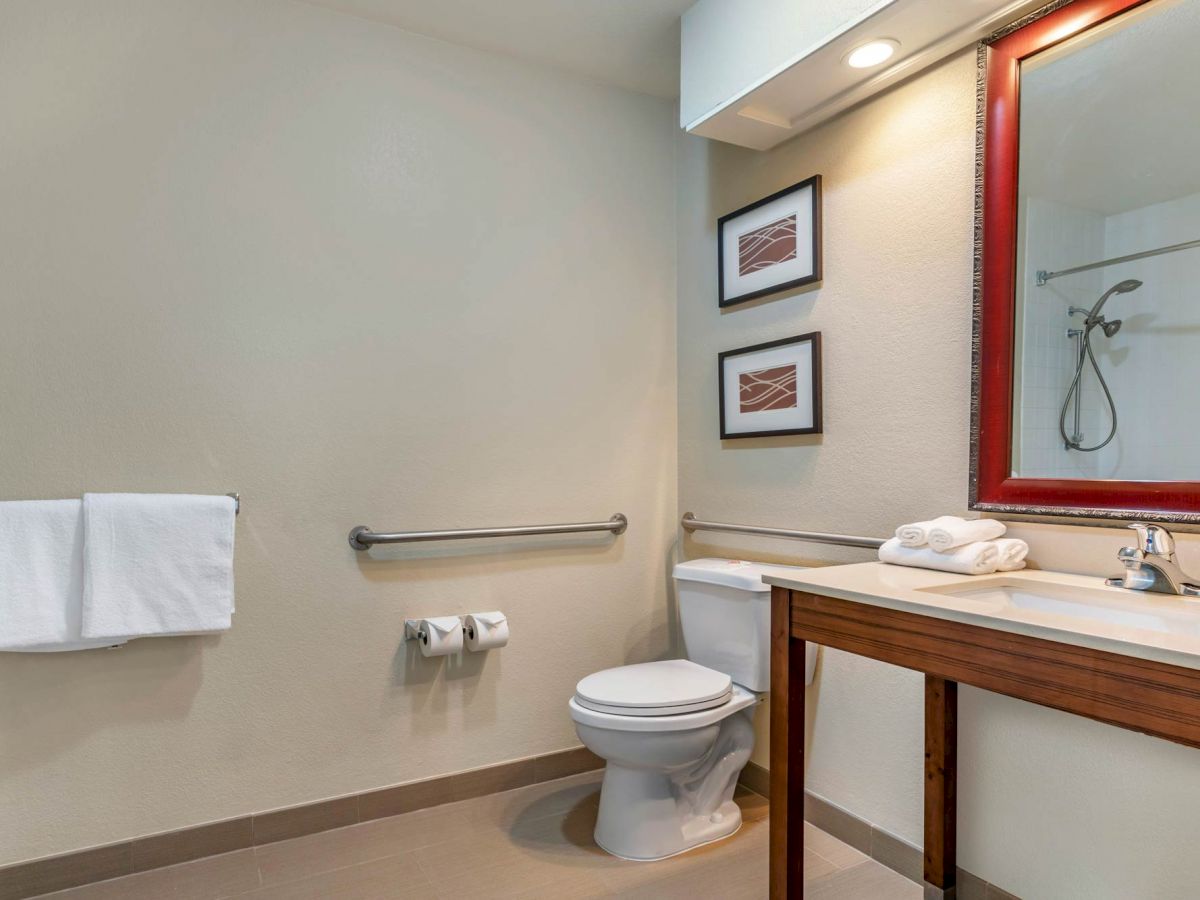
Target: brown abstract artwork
767, 246
764, 389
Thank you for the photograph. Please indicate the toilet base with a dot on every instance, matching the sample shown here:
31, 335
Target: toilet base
641, 817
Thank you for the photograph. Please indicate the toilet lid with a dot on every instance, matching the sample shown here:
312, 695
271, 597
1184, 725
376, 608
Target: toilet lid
669, 687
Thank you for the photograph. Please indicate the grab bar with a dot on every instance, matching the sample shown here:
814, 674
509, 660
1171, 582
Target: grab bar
691, 523
362, 537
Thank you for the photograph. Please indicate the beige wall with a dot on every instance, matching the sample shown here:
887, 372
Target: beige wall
360, 277
1051, 806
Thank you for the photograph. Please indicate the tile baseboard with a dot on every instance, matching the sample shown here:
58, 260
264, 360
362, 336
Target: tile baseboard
882, 846
56, 873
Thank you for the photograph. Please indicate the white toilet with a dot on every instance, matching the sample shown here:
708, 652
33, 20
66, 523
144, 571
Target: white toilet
675, 734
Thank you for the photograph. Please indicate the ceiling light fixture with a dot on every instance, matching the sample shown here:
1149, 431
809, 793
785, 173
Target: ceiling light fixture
872, 53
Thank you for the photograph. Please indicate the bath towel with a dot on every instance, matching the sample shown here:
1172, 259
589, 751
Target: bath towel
980, 558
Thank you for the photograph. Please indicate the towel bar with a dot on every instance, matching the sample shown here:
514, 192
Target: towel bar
362, 537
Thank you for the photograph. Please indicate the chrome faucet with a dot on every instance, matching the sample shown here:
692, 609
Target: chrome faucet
1152, 566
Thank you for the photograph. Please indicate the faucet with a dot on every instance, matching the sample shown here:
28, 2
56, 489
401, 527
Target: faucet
1151, 565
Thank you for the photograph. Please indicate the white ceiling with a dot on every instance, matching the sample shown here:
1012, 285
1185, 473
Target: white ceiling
1108, 122
632, 44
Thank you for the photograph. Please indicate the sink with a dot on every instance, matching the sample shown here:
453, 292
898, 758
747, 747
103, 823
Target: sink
1048, 603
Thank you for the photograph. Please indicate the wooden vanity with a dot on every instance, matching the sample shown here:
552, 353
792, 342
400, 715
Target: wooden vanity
1111, 668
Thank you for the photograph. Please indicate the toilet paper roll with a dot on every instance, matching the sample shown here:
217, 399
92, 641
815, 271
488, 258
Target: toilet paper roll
486, 630
440, 636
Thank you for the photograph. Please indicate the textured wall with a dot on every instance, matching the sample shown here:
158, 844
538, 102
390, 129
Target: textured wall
360, 277
1051, 806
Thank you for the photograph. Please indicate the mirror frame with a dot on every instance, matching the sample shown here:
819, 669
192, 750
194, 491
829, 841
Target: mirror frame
993, 486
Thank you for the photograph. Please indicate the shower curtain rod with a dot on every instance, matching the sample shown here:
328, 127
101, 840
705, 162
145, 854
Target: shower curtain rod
1043, 276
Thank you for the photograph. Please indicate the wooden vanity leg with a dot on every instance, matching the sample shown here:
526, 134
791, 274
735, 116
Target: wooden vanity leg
787, 753
941, 790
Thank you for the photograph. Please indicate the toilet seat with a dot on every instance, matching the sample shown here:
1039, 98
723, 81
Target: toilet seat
738, 700
664, 688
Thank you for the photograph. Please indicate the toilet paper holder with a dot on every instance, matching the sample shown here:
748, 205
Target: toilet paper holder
412, 629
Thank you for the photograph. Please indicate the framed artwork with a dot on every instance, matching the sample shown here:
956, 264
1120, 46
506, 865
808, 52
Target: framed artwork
772, 245
771, 389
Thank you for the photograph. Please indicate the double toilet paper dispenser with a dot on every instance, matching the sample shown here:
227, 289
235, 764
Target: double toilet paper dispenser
446, 635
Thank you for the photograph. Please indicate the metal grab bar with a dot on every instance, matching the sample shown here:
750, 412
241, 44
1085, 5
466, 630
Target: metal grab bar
691, 523
1043, 276
362, 537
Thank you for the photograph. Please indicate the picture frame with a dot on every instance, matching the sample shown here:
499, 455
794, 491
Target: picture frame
771, 389
772, 245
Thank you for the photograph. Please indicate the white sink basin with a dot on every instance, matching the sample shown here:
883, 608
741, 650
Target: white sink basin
1050, 604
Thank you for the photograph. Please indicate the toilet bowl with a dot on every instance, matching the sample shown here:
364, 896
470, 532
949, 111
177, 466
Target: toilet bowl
669, 776
675, 734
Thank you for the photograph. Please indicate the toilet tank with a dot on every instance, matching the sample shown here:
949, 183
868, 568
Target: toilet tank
725, 614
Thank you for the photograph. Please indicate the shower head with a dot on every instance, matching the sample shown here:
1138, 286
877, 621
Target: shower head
1121, 287
1111, 328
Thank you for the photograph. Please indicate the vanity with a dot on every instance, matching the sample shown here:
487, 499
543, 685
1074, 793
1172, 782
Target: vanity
1068, 642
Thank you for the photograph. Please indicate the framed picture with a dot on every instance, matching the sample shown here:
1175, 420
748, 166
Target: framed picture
772, 388
771, 245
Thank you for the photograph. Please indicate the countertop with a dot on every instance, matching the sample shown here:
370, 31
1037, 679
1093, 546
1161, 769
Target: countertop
1080, 610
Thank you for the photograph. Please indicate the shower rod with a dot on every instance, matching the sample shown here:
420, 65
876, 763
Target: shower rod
1043, 276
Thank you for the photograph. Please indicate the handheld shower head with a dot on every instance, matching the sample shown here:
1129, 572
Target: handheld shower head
1121, 287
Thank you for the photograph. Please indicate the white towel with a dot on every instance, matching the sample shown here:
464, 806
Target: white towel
916, 534
41, 576
157, 564
951, 532
980, 558
1012, 554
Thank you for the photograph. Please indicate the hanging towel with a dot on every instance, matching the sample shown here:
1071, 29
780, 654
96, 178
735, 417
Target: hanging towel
980, 558
157, 564
1012, 554
916, 534
950, 532
41, 576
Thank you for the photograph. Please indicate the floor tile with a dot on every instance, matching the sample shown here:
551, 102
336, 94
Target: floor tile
212, 878
866, 881
382, 879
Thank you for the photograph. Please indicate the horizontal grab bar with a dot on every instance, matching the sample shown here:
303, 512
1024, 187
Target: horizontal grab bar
691, 523
362, 537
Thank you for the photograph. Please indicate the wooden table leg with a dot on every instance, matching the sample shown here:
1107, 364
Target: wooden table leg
941, 789
787, 753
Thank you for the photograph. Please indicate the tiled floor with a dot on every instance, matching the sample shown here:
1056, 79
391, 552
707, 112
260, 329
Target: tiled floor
531, 842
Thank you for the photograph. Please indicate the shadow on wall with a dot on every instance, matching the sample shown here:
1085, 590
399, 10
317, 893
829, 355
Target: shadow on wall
67, 697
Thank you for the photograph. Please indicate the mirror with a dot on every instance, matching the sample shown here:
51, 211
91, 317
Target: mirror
1090, 263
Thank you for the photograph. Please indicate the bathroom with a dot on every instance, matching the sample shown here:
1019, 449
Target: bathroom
226, 270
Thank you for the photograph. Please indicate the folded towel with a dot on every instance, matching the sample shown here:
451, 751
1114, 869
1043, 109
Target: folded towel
41, 576
916, 534
951, 532
1012, 554
157, 564
979, 558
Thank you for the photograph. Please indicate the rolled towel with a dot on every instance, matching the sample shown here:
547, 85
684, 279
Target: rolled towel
978, 558
946, 535
916, 534
1012, 554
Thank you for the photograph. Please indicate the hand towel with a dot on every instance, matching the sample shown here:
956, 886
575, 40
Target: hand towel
979, 558
41, 576
157, 564
916, 534
1012, 554
946, 535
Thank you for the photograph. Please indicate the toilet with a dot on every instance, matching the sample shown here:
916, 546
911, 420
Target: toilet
676, 733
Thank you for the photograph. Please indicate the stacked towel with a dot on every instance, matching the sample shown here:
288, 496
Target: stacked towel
951, 544
75, 576
979, 558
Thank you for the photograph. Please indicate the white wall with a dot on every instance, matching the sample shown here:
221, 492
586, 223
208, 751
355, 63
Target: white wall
360, 277
1051, 805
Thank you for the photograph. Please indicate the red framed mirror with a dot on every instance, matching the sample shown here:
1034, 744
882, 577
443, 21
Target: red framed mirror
1067, 202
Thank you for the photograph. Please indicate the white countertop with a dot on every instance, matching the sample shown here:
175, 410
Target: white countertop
1071, 609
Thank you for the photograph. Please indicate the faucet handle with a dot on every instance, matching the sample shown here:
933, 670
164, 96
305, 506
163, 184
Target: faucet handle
1154, 540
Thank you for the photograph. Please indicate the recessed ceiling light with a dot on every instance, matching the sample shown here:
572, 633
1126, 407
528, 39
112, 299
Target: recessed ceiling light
872, 54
